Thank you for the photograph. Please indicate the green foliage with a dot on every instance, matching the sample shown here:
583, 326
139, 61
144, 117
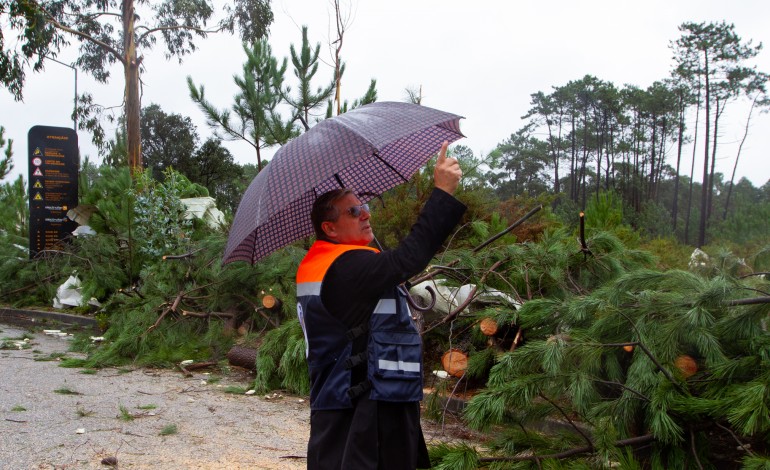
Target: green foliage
458, 457
159, 215
168, 430
6, 158
14, 212
257, 121
573, 364
281, 360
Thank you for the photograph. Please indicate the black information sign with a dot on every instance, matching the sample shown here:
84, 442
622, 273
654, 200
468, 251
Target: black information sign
53, 185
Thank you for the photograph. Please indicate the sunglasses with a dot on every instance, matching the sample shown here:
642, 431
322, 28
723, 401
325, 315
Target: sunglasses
355, 211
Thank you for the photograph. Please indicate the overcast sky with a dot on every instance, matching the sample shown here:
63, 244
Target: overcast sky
479, 59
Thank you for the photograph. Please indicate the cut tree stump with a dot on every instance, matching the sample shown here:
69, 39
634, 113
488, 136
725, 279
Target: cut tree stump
455, 362
488, 326
270, 302
243, 357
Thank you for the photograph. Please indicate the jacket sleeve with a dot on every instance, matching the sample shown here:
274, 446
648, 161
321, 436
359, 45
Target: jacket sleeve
359, 277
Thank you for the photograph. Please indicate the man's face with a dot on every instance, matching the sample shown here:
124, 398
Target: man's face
347, 229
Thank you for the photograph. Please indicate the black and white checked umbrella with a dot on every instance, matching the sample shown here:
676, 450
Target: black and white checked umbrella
370, 150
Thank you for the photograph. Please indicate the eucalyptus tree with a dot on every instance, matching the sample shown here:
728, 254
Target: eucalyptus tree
110, 32
254, 116
713, 56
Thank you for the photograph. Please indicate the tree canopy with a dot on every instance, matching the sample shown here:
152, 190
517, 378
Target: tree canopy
111, 32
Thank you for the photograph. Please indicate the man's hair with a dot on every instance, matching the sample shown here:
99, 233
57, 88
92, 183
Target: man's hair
324, 210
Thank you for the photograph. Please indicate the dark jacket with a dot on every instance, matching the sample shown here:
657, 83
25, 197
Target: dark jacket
377, 434
394, 350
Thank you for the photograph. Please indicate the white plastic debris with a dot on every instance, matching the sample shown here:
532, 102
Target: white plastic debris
449, 298
69, 294
186, 362
251, 392
52, 332
97, 339
441, 374
80, 431
204, 208
83, 230
698, 259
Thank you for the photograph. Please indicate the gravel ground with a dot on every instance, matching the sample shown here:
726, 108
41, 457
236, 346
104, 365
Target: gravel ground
60, 418
55, 417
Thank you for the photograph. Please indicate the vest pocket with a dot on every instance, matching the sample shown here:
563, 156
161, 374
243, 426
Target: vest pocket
396, 355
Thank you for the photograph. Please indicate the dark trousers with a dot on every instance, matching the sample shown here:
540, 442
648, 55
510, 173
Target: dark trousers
372, 435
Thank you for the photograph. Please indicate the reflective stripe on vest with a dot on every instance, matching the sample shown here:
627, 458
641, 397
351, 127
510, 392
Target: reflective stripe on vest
394, 348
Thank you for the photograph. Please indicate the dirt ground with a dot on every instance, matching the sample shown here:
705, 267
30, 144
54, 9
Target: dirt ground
61, 418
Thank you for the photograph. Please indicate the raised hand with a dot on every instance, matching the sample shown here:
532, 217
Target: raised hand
447, 174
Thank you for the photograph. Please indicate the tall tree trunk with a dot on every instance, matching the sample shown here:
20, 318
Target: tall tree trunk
692, 170
713, 161
609, 167
705, 189
573, 163
132, 96
584, 160
653, 148
675, 208
661, 158
740, 147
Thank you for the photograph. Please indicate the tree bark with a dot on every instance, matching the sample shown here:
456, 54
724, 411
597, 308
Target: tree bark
735, 167
132, 96
704, 189
675, 208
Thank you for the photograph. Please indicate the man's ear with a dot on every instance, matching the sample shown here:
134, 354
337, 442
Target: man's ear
329, 229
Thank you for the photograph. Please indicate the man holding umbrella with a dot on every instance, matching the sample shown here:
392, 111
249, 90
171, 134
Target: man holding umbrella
364, 352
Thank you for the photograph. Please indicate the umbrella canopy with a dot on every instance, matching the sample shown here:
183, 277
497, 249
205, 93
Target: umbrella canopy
370, 149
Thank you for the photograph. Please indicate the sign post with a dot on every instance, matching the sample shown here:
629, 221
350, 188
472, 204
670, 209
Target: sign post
53, 185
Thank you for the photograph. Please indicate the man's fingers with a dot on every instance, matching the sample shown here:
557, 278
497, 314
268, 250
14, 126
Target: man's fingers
442, 152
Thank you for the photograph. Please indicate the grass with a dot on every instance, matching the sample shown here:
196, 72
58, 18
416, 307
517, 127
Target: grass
72, 363
235, 390
147, 407
13, 344
213, 380
89, 371
66, 391
84, 413
168, 430
125, 415
18, 408
55, 356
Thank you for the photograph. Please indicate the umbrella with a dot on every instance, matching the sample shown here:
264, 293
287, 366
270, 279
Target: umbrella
370, 149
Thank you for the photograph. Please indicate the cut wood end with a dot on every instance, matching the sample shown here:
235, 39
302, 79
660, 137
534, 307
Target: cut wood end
686, 365
269, 301
488, 326
455, 362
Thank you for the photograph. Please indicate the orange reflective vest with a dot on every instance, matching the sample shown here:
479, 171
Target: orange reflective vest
394, 347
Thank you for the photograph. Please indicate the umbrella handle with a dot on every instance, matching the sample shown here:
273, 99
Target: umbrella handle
412, 303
